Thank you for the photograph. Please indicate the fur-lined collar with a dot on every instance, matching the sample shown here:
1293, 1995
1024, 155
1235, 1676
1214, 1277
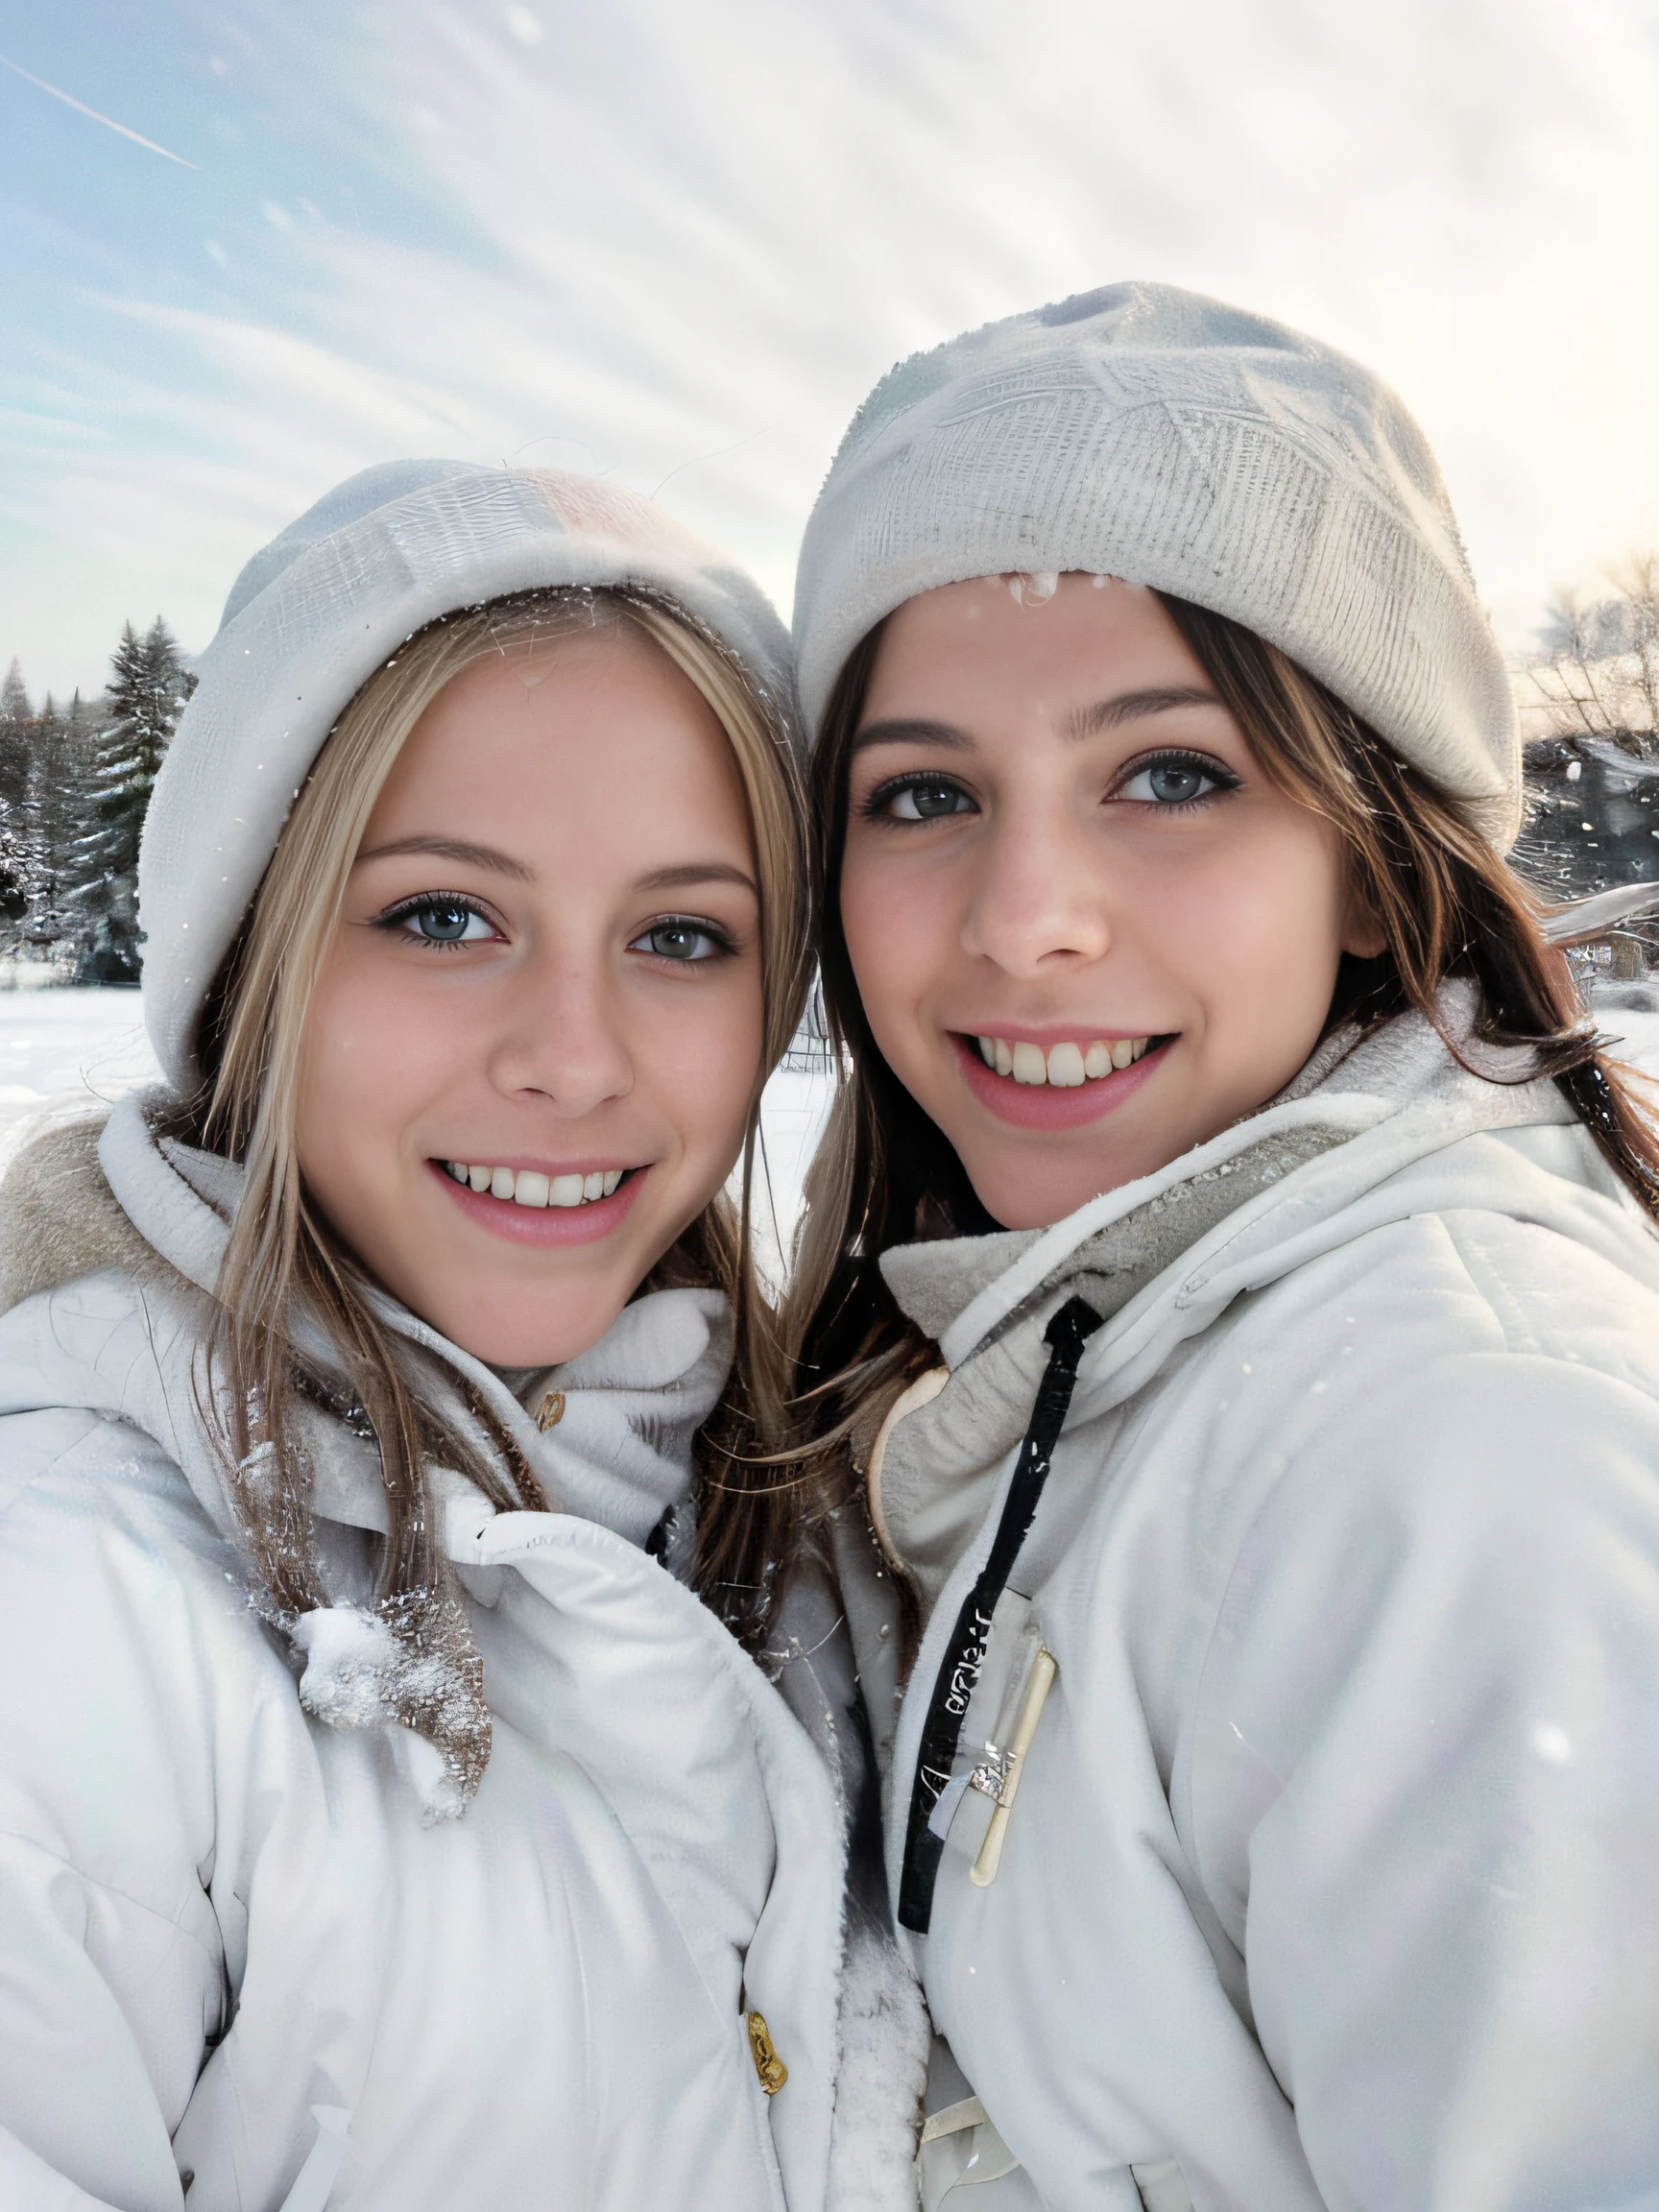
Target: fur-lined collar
94, 1198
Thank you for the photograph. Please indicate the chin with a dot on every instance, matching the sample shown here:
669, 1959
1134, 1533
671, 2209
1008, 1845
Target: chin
518, 1333
1038, 1200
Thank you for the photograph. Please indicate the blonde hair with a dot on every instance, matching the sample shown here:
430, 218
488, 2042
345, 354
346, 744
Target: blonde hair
285, 1275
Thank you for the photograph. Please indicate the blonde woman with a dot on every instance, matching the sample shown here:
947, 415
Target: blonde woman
393, 1813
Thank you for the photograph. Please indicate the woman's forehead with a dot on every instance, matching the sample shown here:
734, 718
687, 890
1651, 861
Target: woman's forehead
987, 646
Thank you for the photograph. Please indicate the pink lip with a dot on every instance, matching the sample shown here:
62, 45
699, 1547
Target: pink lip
1042, 1106
545, 1224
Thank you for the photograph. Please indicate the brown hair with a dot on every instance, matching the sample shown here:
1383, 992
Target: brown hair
1442, 897
286, 1277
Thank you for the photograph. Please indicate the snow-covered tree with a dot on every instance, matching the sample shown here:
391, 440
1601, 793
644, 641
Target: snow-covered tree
149, 685
1596, 674
15, 704
16, 717
56, 813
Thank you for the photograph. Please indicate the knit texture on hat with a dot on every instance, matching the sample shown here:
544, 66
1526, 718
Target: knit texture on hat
1150, 434
317, 612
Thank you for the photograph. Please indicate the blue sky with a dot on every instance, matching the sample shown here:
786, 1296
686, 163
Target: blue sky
678, 244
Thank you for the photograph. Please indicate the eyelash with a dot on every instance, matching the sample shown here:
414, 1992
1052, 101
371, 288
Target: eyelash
875, 804
1214, 772
427, 902
697, 925
456, 903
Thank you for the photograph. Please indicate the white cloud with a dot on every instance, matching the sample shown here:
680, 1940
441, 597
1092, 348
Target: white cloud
687, 241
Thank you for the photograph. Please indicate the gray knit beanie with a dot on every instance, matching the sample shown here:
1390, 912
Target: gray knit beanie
309, 620
1157, 435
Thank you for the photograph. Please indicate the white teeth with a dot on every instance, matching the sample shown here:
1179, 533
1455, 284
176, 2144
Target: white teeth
529, 1187
1063, 1066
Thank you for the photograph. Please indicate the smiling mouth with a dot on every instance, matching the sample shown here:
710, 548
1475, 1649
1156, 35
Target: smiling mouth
528, 1187
1067, 1065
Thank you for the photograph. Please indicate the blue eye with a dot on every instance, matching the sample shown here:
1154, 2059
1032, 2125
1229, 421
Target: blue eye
920, 798
679, 939
1175, 780
441, 920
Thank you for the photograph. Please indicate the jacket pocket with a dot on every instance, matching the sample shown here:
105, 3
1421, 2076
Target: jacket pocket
960, 2151
1162, 2187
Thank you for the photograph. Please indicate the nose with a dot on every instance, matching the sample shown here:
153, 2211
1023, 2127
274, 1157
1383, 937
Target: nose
1040, 903
561, 1036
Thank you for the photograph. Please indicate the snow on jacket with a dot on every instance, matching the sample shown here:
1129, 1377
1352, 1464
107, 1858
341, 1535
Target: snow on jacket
237, 1957
1330, 1873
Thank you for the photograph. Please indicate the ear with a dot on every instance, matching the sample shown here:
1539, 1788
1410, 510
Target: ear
1362, 934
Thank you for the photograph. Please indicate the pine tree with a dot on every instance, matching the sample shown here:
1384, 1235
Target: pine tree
146, 692
15, 715
15, 704
56, 810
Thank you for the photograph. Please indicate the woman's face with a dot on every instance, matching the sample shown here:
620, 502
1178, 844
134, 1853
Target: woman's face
1088, 932
529, 1060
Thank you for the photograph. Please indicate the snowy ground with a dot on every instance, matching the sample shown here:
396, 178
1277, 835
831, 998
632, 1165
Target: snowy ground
61, 1049
792, 1116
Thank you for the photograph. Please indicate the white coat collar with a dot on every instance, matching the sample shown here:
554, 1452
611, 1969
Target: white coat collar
1358, 1139
961, 1291
620, 1453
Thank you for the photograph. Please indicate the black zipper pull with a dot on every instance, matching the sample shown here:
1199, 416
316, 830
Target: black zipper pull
1066, 1335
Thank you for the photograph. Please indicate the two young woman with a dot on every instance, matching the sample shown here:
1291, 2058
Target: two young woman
393, 1810
1230, 1272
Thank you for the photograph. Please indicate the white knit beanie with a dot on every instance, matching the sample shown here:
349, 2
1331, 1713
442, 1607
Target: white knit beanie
1154, 435
309, 620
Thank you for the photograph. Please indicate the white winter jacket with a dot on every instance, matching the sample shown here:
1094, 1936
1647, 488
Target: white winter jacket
238, 1963
1330, 1875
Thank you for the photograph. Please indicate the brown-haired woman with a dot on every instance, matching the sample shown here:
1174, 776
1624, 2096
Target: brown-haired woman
1232, 1272
388, 1815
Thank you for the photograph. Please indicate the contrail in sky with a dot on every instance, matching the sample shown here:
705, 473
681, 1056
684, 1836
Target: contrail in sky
81, 108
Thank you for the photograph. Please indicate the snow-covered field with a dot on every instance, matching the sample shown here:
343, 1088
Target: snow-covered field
63, 1048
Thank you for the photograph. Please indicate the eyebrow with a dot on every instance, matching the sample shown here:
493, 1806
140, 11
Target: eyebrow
695, 872
1085, 722
1134, 706
907, 730
466, 856
454, 849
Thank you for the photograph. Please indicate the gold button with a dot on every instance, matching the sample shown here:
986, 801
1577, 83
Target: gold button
548, 1412
768, 2065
